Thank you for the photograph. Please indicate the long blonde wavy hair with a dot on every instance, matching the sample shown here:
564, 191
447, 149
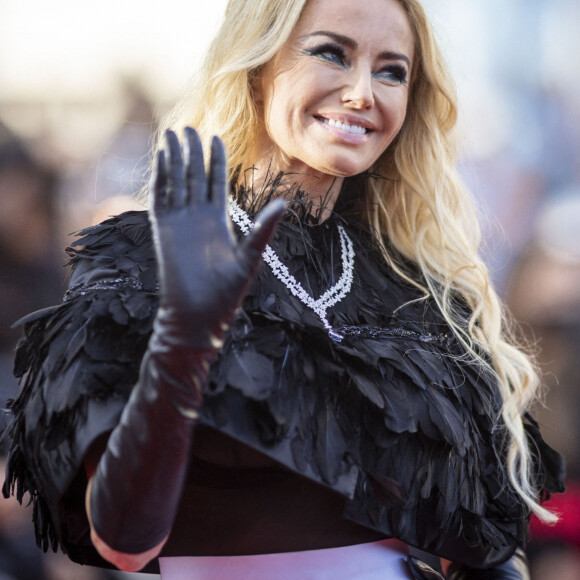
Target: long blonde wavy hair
422, 209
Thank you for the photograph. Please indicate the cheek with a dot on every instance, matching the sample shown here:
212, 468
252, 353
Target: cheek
277, 104
394, 111
286, 117
297, 91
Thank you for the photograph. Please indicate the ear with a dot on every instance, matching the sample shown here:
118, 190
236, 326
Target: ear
256, 87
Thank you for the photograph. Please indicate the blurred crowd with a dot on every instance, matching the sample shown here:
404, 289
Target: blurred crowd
521, 131
40, 200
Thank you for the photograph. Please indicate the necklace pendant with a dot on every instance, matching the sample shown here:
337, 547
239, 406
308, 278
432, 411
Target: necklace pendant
336, 336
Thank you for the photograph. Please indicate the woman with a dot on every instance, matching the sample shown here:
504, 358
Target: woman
303, 421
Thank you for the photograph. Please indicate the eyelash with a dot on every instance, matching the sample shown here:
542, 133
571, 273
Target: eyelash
393, 74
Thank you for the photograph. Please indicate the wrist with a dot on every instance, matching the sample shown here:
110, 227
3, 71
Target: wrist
191, 332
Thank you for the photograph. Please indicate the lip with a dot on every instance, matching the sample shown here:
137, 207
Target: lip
349, 119
344, 136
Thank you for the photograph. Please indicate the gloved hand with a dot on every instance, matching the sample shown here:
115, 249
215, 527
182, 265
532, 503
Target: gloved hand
203, 272
203, 276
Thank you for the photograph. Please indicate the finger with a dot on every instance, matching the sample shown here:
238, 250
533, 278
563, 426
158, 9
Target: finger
217, 175
175, 176
196, 183
266, 221
158, 190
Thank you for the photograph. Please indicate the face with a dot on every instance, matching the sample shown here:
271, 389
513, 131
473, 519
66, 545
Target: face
335, 96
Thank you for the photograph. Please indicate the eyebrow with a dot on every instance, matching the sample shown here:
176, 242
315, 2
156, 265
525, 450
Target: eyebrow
352, 44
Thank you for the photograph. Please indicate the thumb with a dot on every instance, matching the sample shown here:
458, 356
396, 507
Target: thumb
253, 244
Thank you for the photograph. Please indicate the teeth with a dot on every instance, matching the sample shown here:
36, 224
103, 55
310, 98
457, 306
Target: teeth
356, 129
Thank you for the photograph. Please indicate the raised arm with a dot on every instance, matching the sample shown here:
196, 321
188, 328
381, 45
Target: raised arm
135, 485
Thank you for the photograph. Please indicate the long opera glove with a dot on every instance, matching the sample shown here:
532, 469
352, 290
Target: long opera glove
203, 276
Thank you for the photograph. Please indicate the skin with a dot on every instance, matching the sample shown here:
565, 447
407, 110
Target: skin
125, 562
359, 74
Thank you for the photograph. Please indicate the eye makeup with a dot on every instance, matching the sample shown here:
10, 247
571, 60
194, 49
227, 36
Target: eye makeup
393, 74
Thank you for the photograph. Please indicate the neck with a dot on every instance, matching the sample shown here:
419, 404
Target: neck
322, 189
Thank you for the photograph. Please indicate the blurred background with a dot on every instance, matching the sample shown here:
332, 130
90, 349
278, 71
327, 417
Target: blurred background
82, 86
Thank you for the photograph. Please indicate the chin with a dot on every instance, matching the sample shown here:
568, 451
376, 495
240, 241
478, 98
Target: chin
345, 169
347, 164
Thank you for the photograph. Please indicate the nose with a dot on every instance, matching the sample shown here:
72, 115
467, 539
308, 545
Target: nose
358, 92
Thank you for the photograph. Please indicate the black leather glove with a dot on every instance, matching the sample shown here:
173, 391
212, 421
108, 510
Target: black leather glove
516, 568
203, 276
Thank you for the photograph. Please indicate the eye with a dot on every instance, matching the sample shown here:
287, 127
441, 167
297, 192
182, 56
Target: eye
329, 52
393, 74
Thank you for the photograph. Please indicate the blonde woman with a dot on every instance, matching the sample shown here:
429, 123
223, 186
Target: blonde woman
293, 365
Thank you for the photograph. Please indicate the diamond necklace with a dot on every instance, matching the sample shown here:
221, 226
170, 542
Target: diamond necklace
331, 297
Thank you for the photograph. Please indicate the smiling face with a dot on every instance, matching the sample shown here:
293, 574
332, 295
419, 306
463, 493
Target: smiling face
335, 96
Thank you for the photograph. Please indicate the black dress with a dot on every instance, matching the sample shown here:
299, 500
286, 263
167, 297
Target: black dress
391, 417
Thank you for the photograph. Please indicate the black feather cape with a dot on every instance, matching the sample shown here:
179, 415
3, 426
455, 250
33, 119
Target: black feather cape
390, 417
